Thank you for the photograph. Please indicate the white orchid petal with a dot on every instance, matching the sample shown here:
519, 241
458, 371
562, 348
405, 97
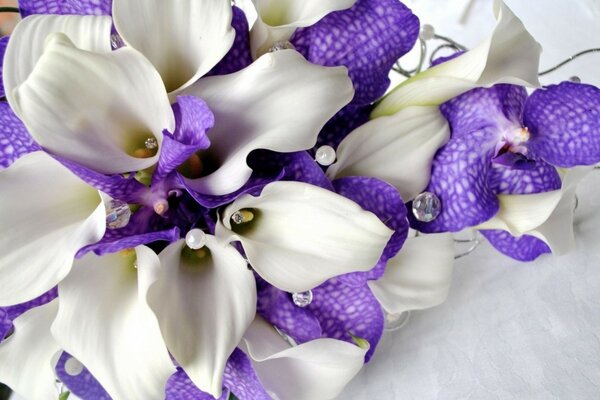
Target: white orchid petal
26, 43
279, 103
95, 109
509, 55
547, 216
278, 19
319, 369
103, 322
183, 40
398, 149
419, 276
48, 214
302, 235
203, 305
28, 357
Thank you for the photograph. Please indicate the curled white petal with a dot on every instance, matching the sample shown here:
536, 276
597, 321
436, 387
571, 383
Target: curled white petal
48, 215
302, 235
398, 149
509, 55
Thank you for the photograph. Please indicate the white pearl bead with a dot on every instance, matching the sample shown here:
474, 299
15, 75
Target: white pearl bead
195, 239
325, 155
427, 32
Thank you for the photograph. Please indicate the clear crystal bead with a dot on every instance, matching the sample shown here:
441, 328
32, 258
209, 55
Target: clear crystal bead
117, 214
325, 155
302, 299
575, 79
151, 143
427, 32
116, 42
281, 45
73, 367
426, 207
195, 239
242, 216
393, 322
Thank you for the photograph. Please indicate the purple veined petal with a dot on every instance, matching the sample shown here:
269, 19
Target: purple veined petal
78, 379
543, 178
368, 38
181, 387
345, 121
384, 201
3, 44
5, 324
9, 314
302, 167
277, 307
239, 56
78, 7
241, 379
343, 309
15, 141
192, 119
564, 122
524, 248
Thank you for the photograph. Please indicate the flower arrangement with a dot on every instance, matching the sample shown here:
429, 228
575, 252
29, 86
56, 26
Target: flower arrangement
194, 208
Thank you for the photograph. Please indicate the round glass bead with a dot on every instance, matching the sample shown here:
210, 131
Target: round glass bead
117, 214
281, 45
151, 143
325, 155
302, 299
427, 32
195, 239
393, 322
426, 207
73, 367
575, 79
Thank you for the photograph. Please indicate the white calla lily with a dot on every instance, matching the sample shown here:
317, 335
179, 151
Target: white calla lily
204, 300
115, 334
419, 276
398, 149
547, 216
509, 55
296, 235
183, 40
29, 356
48, 214
279, 103
278, 19
319, 369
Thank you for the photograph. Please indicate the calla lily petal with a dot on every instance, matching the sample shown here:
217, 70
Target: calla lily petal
183, 40
116, 336
51, 215
398, 149
204, 301
319, 369
27, 43
509, 55
302, 235
28, 357
95, 109
279, 103
278, 19
419, 276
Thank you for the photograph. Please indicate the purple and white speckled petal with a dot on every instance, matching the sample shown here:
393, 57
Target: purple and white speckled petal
81, 383
15, 141
241, 379
239, 56
5, 324
9, 314
543, 178
367, 38
345, 121
301, 167
343, 309
564, 122
524, 248
181, 387
3, 44
78, 7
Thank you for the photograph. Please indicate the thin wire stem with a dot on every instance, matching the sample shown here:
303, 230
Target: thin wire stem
568, 60
9, 10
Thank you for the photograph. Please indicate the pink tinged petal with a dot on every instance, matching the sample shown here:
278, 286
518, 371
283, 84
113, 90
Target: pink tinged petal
509, 55
204, 303
319, 369
28, 357
116, 336
50, 220
279, 103
419, 276
302, 235
95, 109
183, 41
27, 44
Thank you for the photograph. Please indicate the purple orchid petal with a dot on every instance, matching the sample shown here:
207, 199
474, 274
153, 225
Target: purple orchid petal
238, 56
181, 387
3, 44
241, 379
302, 167
564, 122
15, 141
514, 161
384, 201
367, 38
524, 248
443, 59
78, 7
277, 307
5, 324
345, 121
9, 314
83, 384
192, 119
542, 178
343, 309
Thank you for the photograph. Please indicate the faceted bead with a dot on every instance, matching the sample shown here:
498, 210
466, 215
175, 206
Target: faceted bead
116, 42
73, 367
117, 214
195, 239
427, 32
151, 143
281, 45
393, 322
302, 299
242, 216
325, 155
426, 207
